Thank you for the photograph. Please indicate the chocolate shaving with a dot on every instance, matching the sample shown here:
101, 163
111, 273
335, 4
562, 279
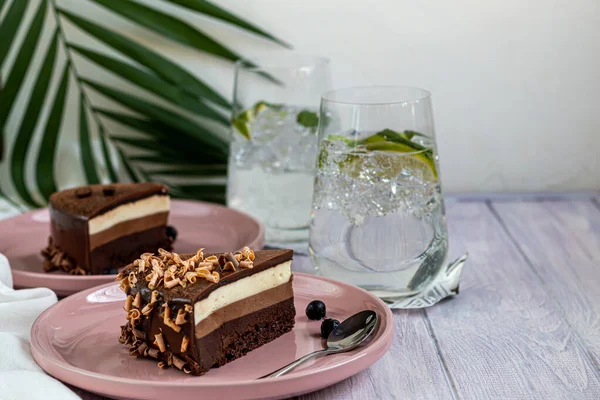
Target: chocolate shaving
147, 309
178, 362
180, 320
154, 297
232, 259
222, 260
184, 344
229, 266
137, 303
246, 264
143, 349
160, 342
128, 304
55, 259
168, 321
153, 353
139, 334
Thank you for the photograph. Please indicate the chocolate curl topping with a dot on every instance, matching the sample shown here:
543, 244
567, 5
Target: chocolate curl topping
160, 342
180, 320
178, 362
230, 257
128, 303
222, 260
154, 297
147, 309
246, 264
153, 352
184, 344
229, 266
139, 334
142, 350
137, 303
167, 320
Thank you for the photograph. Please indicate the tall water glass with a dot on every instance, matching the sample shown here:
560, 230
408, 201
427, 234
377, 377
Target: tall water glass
378, 216
274, 144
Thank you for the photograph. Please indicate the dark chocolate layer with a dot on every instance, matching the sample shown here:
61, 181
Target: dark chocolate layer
90, 201
124, 250
70, 235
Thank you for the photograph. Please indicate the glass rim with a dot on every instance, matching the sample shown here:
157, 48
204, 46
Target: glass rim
423, 95
280, 61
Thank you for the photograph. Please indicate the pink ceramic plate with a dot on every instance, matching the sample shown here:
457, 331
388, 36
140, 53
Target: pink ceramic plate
76, 342
211, 226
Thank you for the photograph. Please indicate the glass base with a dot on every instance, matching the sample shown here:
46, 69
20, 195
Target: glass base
445, 283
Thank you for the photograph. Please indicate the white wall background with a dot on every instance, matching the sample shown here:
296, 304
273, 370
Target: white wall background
516, 84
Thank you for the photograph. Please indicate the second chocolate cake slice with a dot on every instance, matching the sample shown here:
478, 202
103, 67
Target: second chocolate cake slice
200, 311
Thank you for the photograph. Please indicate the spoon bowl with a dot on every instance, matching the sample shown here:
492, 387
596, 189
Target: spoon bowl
350, 334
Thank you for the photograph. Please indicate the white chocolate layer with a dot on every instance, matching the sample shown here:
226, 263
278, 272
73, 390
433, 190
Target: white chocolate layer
129, 211
241, 289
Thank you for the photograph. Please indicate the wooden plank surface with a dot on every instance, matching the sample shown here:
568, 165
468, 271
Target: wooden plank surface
503, 337
411, 369
522, 326
561, 240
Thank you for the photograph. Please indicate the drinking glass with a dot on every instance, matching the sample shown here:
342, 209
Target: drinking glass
378, 217
274, 143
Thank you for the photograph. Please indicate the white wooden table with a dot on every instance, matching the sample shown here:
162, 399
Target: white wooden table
526, 324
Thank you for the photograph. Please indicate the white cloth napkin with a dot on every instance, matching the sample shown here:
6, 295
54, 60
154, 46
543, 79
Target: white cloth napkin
20, 377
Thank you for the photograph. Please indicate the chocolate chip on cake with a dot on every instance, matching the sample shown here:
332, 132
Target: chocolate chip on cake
109, 191
83, 192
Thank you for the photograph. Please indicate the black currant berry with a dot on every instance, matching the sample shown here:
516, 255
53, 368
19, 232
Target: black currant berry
327, 326
315, 310
171, 232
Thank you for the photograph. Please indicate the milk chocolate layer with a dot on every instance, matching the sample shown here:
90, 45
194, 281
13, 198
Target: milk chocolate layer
243, 307
127, 228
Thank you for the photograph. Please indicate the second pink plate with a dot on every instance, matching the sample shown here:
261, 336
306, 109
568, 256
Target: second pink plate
211, 226
76, 341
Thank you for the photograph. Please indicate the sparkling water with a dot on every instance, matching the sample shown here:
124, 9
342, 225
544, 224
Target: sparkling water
378, 219
271, 176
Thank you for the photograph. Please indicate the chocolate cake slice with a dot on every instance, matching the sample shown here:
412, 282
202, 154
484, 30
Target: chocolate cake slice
200, 311
96, 229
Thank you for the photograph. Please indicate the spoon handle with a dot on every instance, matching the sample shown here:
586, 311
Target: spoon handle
294, 364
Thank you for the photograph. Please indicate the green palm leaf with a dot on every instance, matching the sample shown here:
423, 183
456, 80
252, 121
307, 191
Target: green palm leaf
213, 193
29, 122
189, 150
10, 25
192, 170
144, 144
183, 124
87, 155
169, 26
112, 175
170, 71
152, 83
21, 64
130, 171
207, 8
45, 161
